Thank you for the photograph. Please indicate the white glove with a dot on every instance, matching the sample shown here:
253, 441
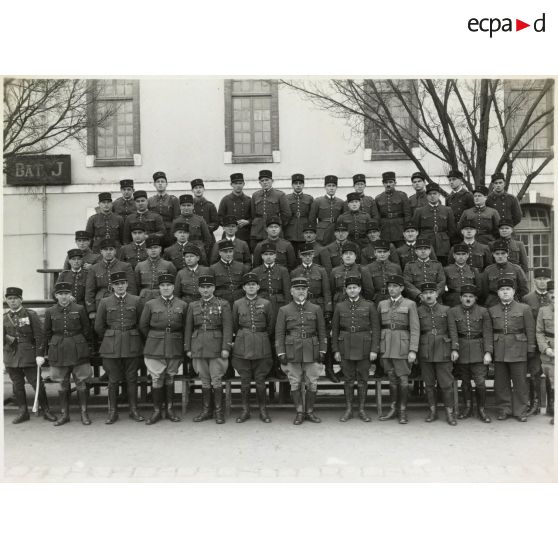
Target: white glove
40, 360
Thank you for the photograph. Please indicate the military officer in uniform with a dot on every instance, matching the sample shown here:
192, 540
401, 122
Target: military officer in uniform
356, 219
514, 343
265, 203
208, 342
116, 324
485, 218
300, 204
458, 274
505, 204
472, 344
105, 224
76, 276
435, 223
164, 204
203, 207
545, 343
325, 211
423, 270
228, 274
241, 250
418, 199
186, 286
367, 203
285, 252
24, 353
368, 253
136, 251
536, 299
253, 324
124, 205
407, 251
237, 205
480, 255
68, 338
435, 353
152, 221
399, 342
517, 254
301, 343
459, 199
198, 231
148, 271
500, 270
83, 240
394, 210
350, 269
162, 324
330, 256
355, 338
309, 234
380, 269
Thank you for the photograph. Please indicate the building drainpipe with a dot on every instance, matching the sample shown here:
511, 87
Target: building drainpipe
46, 279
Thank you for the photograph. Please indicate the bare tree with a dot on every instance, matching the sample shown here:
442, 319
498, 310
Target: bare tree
455, 121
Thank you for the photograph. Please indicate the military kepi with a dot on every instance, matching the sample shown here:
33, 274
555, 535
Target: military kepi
126, 183
229, 220
353, 280
330, 179
542, 272
389, 175
299, 282
105, 196
359, 178
250, 278
14, 291
265, 174
205, 280
107, 243
297, 177
397, 279
83, 235
498, 176
428, 286
75, 253
166, 278
197, 182
118, 276
505, 282
63, 287
353, 196
140, 194
469, 289
159, 174
500, 245
225, 244
237, 177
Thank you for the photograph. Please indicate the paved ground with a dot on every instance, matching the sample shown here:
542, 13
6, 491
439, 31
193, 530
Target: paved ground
35, 451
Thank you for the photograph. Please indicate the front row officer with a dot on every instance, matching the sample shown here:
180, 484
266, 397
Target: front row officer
301, 343
514, 342
116, 323
545, 341
68, 337
252, 318
162, 326
355, 339
23, 353
208, 341
399, 342
472, 347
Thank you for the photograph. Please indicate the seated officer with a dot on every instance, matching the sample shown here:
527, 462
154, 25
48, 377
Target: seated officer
545, 342
356, 219
458, 274
423, 270
241, 250
514, 343
253, 324
301, 343
355, 338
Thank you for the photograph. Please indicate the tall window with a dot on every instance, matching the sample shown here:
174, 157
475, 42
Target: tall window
376, 139
521, 96
251, 120
114, 137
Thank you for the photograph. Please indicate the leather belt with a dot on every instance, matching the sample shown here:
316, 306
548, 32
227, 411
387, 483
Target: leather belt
507, 331
548, 334
394, 215
470, 335
396, 326
303, 335
354, 329
205, 328
124, 328
254, 329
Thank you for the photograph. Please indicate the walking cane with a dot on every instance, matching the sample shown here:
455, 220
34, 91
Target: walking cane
36, 402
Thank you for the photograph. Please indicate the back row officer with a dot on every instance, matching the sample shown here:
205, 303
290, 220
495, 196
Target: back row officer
394, 210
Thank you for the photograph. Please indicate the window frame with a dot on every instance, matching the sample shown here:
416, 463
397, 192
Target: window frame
230, 157
92, 130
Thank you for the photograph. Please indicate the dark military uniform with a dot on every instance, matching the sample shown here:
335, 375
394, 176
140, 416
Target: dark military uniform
266, 203
175, 253
394, 211
89, 258
506, 205
319, 290
275, 285
168, 208
199, 232
285, 253
436, 224
357, 222
341, 272
379, 272
367, 255
486, 222
77, 280
186, 286
423, 271
406, 253
516, 253
124, 207
459, 202
103, 226
493, 273
147, 276
330, 255
545, 340
300, 205
514, 338
241, 253
152, 221
98, 284
480, 255
239, 206
324, 213
418, 199
133, 253
368, 205
228, 280
207, 210
456, 277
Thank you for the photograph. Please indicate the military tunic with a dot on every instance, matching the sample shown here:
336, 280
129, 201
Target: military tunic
98, 284
152, 221
418, 199
456, 277
330, 256
368, 205
89, 258
208, 212
480, 256
459, 202
489, 282
536, 300
78, 280
133, 253
266, 203
423, 271
486, 220
545, 340
407, 253
516, 253
300, 205
319, 289
186, 285
367, 255
199, 232
357, 222
228, 280
124, 207
105, 225
175, 253
275, 285
241, 253
436, 224
168, 208
394, 211
239, 207
324, 213
506, 205
379, 271
341, 272
285, 253
147, 276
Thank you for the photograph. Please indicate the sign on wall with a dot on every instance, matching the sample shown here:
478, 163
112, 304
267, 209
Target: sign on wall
38, 170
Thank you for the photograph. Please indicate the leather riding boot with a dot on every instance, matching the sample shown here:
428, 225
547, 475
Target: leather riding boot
432, 409
112, 403
218, 401
534, 396
261, 396
468, 397
403, 396
82, 398
450, 416
169, 388
297, 400
309, 414
393, 393
157, 406
349, 389
362, 389
549, 397
330, 375
64, 397
245, 413
21, 400
43, 404
207, 411
481, 402
133, 402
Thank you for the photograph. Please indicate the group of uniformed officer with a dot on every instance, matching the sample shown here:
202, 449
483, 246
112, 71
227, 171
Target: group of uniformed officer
394, 282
